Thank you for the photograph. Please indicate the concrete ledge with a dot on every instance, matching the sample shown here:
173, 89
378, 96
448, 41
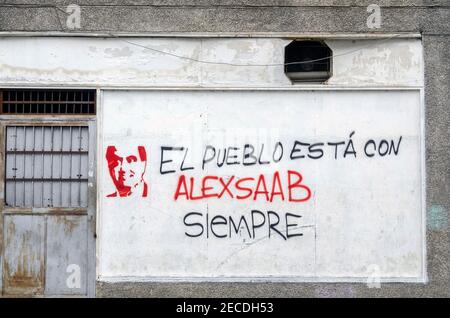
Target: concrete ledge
266, 290
173, 19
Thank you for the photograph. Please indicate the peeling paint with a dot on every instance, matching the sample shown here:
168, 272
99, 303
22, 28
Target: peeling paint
119, 52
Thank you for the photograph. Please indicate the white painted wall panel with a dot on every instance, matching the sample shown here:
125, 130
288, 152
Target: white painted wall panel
378, 62
364, 216
117, 62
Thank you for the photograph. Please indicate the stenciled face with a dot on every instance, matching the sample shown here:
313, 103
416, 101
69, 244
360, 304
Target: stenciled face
126, 170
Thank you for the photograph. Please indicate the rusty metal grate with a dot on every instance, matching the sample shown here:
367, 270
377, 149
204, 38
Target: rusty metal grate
47, 101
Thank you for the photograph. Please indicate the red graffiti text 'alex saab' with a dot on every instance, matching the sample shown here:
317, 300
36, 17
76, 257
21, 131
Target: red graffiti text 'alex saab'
245, 188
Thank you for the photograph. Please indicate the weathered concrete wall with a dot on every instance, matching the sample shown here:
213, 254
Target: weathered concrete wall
229, 16
296, 16
123, 62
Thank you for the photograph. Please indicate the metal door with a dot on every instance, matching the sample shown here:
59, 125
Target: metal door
48, 210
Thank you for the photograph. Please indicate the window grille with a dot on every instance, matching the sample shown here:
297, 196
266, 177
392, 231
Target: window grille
53, 101
46, 166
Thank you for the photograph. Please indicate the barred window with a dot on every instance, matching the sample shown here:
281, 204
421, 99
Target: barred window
47, 101
46, 166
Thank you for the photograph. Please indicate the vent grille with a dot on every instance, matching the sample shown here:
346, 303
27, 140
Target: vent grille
308, 61
43, 102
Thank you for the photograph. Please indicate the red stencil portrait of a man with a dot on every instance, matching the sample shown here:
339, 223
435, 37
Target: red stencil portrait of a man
127, 172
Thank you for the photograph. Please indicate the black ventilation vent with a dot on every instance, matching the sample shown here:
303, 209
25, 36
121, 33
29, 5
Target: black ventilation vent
308, 61
47, 101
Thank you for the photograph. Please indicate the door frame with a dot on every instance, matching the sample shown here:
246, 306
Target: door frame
89, 121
